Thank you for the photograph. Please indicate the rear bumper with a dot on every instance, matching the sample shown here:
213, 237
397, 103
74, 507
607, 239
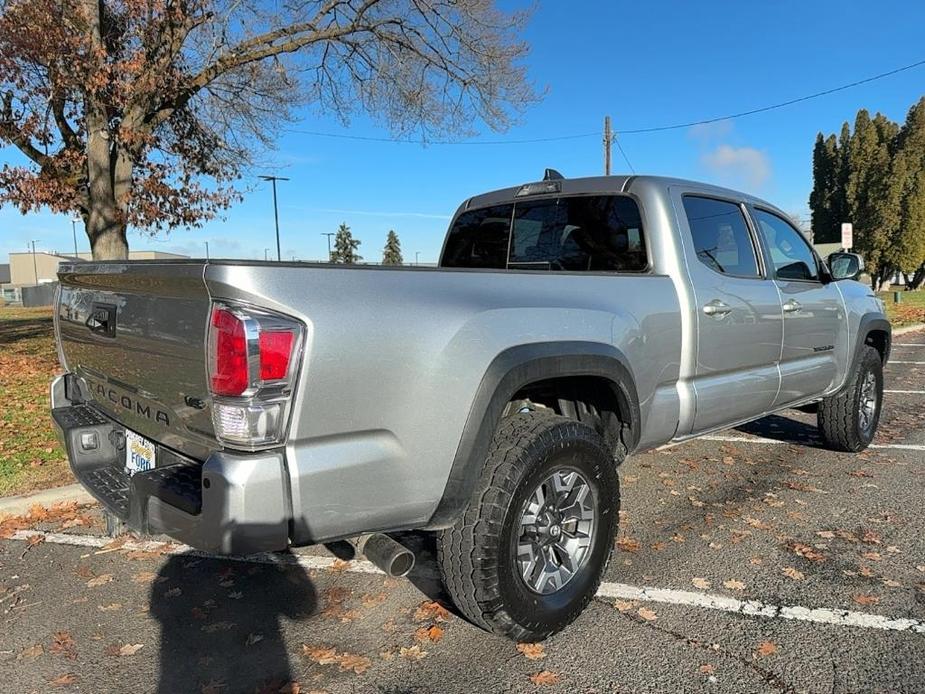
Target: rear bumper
232, 503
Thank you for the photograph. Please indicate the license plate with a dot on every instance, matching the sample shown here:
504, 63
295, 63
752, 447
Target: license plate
139, 453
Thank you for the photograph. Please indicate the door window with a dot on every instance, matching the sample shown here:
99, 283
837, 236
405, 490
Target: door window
791, 255
721, 237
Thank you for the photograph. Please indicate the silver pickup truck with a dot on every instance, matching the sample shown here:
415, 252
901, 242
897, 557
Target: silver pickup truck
245, 406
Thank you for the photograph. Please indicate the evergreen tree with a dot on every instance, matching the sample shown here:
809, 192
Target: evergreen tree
908, 247
345, 246
822, 201
391, 254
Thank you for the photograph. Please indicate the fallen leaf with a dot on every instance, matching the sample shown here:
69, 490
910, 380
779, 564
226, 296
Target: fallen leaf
701, 583
793, 573
63, 644
707, 669
111, 607
235, 595
339, 565
866, 599
100, 580
532, 651
544, 677
431, 610
31, 652
647, 614
358, 663
733, 584
628, 544
173, 592
826, 534
624, 605
766, 648
253, 638
806, 552
412, 653
130, 649
144, 577
872, 556
64, 680
320, 654
432, 633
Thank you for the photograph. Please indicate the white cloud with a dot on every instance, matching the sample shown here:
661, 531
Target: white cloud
738, 165
711, 131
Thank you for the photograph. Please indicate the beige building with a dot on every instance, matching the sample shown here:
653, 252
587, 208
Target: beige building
28, 269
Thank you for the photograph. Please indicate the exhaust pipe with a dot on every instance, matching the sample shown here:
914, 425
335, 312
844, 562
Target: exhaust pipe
394, 559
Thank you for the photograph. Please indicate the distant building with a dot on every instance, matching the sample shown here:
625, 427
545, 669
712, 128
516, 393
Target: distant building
28, 270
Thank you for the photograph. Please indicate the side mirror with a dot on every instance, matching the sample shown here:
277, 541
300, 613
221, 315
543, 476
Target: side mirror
845, 266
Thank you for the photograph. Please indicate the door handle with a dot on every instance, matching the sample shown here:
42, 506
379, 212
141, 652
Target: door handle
791, 306
716, 308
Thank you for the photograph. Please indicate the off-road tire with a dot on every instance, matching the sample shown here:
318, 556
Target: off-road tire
475, 555
839, 415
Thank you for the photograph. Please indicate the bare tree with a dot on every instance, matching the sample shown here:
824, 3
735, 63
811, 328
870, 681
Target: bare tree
146, 112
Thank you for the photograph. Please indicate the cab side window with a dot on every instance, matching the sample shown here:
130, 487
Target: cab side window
721, 237
791, 254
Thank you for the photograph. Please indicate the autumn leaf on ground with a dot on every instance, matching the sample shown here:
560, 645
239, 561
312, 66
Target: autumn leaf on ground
733, 584
412, 653
63, 644
701, 583
766, 648
358, 663
707, 669
431, 610
544, 677
624, 605
826, 534
100, 580
628, 544
806, 552
253, 638
866, 599
432, 633
320, 654
339, 565
173, 592
872, 556
532, 651
793, 573
870, 537
63, 680
111, 607
31, 652
647, 614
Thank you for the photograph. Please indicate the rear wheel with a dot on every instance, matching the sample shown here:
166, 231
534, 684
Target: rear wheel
528, 553
848, 420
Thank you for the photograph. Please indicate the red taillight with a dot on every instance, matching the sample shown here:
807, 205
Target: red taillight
275, 352
228, 352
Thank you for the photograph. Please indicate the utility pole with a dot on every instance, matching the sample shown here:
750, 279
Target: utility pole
35, 268
274, 179
265, 252
74, 231
329, 234
416, 254
608, 140
207, 250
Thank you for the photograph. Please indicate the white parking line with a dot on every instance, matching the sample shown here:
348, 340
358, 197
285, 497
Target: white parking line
908, 392
892, 361
762, 439
909, 344
749, 608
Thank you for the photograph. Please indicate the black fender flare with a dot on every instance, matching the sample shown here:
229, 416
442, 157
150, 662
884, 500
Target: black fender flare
869, 323
510, 371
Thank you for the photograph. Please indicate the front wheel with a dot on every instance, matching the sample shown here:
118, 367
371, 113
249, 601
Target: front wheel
529, 551
848, 420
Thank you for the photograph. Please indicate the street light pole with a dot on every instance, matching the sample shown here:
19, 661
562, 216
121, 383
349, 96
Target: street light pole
273, 180
329, 234
265, 251
207, 250
416, 254
35, 269
74, 231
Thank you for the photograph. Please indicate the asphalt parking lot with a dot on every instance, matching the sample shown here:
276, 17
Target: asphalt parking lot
753, 561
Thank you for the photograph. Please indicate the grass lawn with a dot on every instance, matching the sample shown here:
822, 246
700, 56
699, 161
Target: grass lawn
30, 456
911, 308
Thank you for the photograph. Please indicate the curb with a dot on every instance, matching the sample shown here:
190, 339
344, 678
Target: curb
18, 505
909, 329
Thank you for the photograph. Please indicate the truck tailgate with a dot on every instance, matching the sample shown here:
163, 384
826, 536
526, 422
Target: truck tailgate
135, 334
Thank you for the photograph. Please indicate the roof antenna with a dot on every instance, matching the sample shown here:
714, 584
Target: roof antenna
553, 175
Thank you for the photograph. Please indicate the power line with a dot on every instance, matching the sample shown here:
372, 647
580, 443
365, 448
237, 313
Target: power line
634, 131
625, 158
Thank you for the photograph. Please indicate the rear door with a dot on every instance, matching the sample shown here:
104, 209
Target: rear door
815, 324
135, 334
737, 312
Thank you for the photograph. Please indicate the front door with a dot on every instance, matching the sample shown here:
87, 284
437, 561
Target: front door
815, 324
737, 313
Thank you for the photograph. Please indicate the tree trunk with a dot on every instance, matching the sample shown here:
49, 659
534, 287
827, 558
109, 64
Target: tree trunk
109, 243
918, 278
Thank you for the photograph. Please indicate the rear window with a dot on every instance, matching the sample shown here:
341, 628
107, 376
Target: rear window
600, 233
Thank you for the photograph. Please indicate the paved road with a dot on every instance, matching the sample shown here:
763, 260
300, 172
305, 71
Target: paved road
759, 514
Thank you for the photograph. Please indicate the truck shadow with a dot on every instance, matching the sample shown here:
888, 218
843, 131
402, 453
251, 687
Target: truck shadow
780, 428
222, 622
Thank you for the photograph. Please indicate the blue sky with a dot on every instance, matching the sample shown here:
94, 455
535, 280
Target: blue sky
644, 64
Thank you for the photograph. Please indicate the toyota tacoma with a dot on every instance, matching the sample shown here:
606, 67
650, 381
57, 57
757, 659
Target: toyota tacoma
245, 406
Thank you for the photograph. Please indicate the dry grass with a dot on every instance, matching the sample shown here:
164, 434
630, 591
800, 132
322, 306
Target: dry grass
30, 456
910, 310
